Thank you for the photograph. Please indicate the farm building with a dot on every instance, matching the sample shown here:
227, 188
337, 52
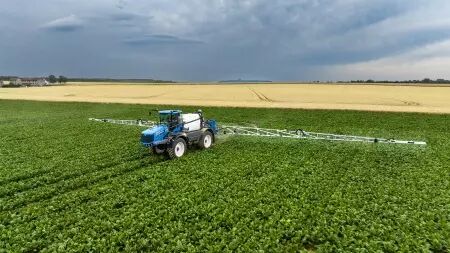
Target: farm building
16, 81
4, 82
30, 82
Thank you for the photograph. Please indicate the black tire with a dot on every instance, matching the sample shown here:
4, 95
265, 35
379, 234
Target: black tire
206, 140
177, 149
159, 149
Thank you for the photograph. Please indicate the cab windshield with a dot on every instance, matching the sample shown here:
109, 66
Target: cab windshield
170, 119
164, 118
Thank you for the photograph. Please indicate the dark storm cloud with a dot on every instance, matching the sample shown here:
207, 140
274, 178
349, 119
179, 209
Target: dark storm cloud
159, 40
66, 24
64, 28
351, 50
212, 40
124, 16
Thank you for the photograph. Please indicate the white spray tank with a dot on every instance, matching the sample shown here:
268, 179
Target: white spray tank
192, 121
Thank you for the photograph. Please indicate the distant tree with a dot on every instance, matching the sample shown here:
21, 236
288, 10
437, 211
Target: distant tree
62, 79
52, 79
426, 80
441, 80
370, 81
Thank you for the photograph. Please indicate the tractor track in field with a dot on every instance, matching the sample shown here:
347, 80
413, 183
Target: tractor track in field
409, 98
57, 191
27, 175
40, 178
260, 95
62, 202
45, 142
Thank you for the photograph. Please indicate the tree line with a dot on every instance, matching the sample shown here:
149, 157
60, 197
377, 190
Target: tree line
59, 79
50, 78
425, 80
119, 80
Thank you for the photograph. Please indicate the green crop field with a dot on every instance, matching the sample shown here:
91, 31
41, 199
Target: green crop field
68, 184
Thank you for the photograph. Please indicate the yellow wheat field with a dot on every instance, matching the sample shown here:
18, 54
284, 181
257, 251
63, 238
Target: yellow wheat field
308, 96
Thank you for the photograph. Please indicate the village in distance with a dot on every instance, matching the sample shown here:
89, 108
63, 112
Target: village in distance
14, 81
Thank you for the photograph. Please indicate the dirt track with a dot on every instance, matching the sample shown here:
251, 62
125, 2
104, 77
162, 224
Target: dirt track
309, 96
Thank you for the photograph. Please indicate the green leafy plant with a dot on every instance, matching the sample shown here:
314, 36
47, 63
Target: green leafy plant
67, 184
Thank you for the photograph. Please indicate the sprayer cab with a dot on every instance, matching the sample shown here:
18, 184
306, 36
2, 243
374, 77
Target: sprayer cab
170, 118
177, 131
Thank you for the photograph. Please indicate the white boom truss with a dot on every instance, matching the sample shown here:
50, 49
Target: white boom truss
267, 132
129, 122
300, 134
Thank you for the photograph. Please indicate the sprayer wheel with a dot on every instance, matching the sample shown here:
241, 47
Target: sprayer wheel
206, 140
178, 149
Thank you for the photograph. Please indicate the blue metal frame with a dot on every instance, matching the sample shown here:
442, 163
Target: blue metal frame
160, 133
213, 125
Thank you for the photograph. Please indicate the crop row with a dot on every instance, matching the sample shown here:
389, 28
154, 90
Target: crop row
83, 186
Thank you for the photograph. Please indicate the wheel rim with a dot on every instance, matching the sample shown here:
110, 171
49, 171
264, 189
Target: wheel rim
179, 149
207, 141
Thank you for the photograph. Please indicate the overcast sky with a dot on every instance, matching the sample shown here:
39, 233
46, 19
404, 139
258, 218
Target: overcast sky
207, 40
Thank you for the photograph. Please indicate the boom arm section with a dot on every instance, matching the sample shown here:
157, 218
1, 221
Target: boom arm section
268, 132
